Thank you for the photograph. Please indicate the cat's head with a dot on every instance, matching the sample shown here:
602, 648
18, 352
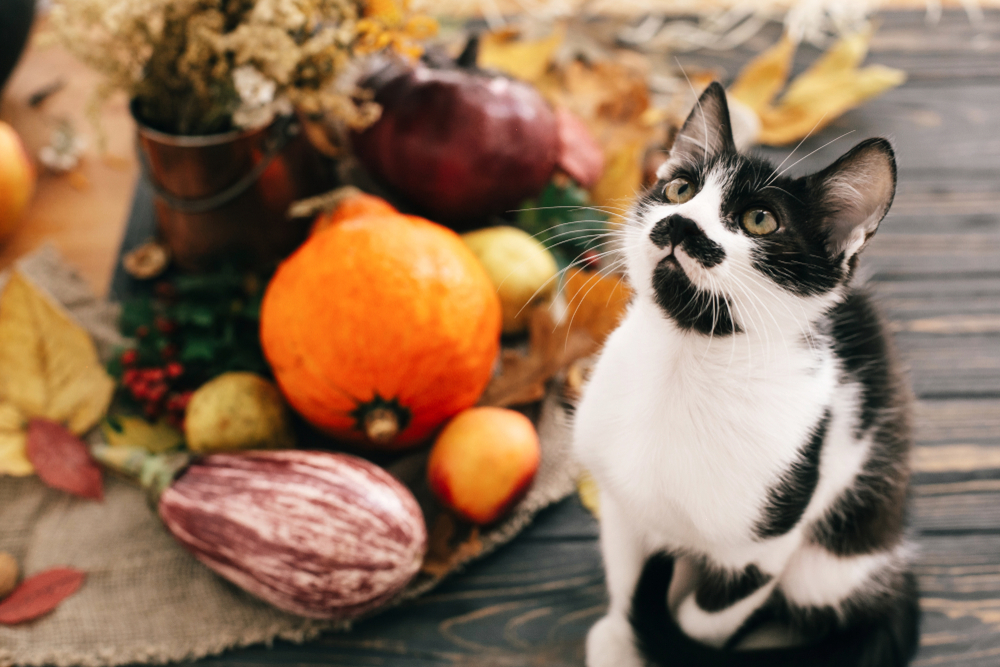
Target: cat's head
724, 242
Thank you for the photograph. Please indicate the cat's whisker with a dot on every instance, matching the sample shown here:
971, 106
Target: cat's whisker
741, 274
558, 276
574, 207
799, 320
775, 187
701, 109
778, 175
715, 313
579, 301
755, 329
798, 145
521, 264
589, 238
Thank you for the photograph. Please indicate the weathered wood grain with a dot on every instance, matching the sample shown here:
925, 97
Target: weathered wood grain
957, 421
907, 301
952, 366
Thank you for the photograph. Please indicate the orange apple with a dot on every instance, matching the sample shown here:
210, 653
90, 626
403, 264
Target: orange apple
17, 179
483, 462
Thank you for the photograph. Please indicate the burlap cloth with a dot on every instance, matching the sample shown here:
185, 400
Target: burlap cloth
147, 600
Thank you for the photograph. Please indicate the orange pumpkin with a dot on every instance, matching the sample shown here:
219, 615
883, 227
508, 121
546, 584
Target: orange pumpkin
381, 327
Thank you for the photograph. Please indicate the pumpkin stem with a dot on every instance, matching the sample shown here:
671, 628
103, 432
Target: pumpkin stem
470, 54
381, 419
381, 425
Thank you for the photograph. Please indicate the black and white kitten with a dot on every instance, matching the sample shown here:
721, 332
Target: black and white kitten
746, 424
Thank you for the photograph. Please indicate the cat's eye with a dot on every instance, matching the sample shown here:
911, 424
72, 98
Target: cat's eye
678, 191
759, 222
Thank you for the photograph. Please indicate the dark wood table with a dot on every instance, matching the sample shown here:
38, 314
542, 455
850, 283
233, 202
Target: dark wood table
936, 267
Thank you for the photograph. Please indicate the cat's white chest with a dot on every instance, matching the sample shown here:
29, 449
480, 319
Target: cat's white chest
687, 441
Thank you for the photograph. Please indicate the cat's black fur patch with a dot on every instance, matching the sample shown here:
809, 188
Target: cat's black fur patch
719, 588
692, 308
870, 514
865, 353
895, 598
888, 639
685, 233
787, 501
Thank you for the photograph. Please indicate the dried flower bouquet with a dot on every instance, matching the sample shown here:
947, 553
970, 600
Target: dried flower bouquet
207, 66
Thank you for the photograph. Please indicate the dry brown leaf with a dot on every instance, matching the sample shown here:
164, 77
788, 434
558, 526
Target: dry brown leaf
552, 348
443, 554
528, 60
601, 93
48, 364
613, 101
595, 302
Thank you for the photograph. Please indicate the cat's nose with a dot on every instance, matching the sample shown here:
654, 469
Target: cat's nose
673, 230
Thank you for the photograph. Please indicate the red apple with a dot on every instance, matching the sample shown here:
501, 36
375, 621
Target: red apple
17, 179
483, 462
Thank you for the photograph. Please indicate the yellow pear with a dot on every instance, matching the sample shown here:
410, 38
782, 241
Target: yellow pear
237, 411
521, 268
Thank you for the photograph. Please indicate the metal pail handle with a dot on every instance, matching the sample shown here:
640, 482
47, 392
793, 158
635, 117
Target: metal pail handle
282, 131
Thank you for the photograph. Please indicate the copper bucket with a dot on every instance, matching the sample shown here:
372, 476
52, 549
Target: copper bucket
225, 197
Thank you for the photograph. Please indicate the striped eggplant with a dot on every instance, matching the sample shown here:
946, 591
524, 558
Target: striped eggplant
316, 534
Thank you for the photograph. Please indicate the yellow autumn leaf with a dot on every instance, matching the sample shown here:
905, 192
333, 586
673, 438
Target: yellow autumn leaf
845, 55
586, 488
127, 431
13, 459
829, 99
833, 85
48, 364
622, 177
522, 59
764, 76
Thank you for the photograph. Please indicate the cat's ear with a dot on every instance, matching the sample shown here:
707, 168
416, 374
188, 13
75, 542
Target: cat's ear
706, 132
855, 193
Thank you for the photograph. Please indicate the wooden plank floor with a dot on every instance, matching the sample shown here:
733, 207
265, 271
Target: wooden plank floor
936, 268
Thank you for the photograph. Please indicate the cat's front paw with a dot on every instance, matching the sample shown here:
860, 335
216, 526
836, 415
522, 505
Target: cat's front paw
610, 643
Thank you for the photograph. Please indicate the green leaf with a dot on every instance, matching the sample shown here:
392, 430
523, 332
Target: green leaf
196, 314
135, 313
198, 349
562, 220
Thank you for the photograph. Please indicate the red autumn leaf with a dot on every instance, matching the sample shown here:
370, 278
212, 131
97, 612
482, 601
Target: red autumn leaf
40, 594
62, 461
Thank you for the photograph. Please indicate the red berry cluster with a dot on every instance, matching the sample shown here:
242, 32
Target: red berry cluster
157, 390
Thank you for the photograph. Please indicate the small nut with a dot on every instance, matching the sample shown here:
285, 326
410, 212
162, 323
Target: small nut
147, 261
10, 573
